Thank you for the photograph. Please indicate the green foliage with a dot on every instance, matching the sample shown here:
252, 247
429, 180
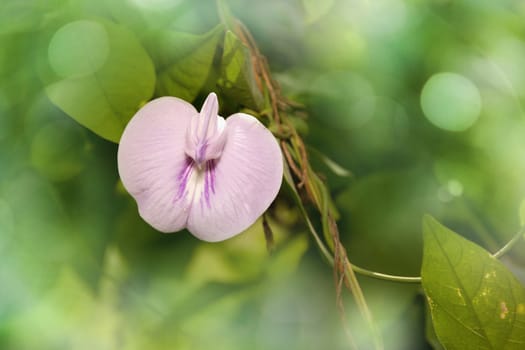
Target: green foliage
82, 270
78, 48
404, 197
55, 150
24, 16
183, 61
237, 81
430, 332
103, 91
245, 258
316, 9
475, 301
105, 97
522, 213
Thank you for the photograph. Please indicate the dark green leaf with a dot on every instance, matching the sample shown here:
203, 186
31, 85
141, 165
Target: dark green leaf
475, 302
105, 98
183, 61
237, 81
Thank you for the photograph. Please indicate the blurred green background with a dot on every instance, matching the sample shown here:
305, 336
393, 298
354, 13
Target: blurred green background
422, 101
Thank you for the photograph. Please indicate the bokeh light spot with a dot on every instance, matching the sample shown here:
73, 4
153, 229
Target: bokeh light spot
78, 48
380, 17
455, 188
451, 101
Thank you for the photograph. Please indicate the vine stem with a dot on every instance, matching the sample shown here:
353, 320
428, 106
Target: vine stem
395, 278
510, 244
385, 276
417, 279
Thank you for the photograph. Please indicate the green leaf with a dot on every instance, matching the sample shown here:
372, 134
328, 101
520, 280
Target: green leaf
430, 332
78, 48
104, 98
237, 80
475, 302
183, 61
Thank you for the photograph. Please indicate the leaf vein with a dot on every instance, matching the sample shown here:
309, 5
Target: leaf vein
468, 300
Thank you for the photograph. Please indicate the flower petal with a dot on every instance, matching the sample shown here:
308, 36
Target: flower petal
205, 137
153, 165
241, 184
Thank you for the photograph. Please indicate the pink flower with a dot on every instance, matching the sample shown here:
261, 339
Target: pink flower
198, 171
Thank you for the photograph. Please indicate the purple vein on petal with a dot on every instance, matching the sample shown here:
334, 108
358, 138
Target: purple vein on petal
201, 152
212, 175
182, 179
209, 182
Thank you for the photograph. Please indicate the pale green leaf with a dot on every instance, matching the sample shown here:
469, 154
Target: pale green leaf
105, 99
237, 81
183, 61
79, 48
474, 300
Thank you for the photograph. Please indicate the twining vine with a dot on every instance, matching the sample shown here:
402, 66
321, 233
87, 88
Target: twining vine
309, 190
